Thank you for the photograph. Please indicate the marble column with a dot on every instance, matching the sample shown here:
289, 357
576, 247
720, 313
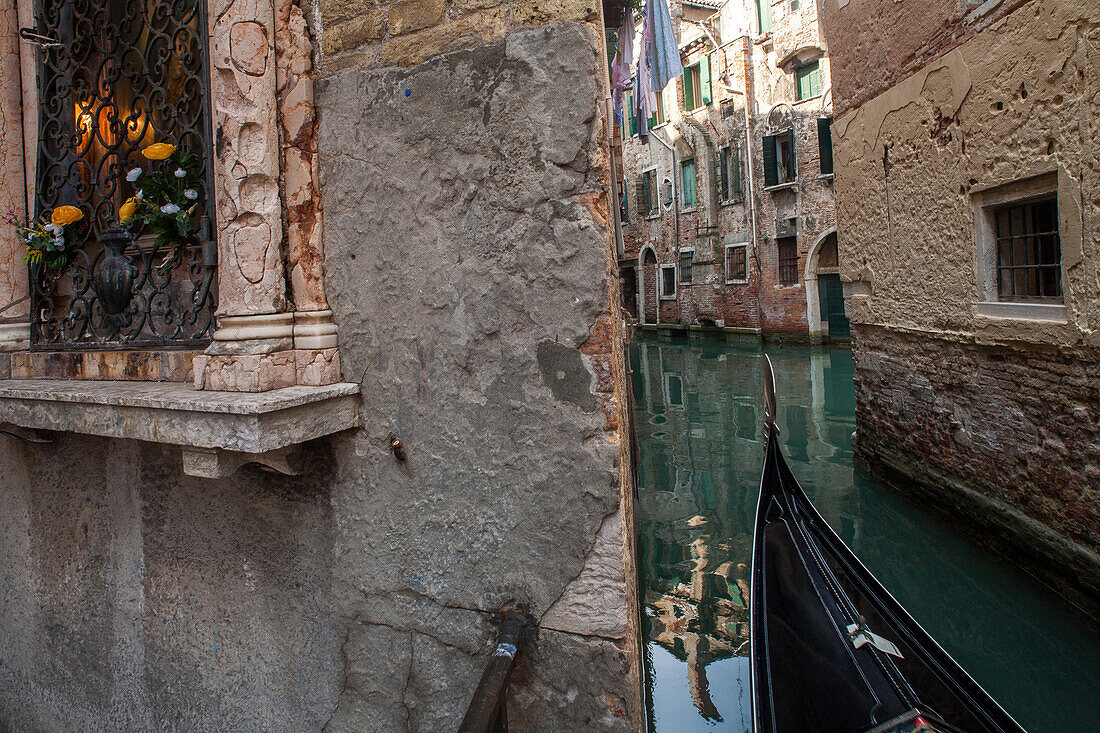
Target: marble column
267, 207
294, 71
14, 286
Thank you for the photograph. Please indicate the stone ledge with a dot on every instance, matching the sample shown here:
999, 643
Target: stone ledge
177, 414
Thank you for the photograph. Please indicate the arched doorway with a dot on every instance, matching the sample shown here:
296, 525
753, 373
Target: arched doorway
824, 292
629, 287
648, 261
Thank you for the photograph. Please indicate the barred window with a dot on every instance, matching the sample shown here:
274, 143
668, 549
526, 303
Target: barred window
686, 257
788, 260
737, 263
124, 75
1029, 252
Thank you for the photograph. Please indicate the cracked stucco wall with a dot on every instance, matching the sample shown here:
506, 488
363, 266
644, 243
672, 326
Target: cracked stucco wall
465, 235
1005, 408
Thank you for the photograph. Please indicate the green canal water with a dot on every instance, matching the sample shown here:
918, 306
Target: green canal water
699, 421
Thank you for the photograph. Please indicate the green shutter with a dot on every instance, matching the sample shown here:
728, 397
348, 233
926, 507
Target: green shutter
735, 163
633, 126
764, 15
825, 144
809, 80
689, 88
723, 173
687, 183
704, 78
771, 165
792, 155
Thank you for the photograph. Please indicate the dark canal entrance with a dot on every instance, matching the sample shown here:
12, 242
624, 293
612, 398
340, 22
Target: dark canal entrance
699, 420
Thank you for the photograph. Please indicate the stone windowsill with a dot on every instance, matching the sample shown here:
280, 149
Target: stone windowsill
247, 425
1023, 311
789, 185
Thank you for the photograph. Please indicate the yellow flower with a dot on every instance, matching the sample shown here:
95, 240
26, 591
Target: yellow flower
159, 151
127, 210
66, 215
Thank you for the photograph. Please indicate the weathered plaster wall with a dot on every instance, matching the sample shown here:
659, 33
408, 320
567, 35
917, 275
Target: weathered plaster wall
462, 197
877, 43
1013, 102
992, 412
473, 290
135, 598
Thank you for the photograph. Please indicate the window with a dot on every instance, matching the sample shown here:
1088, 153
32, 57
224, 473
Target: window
794, 6
659, 117
788, 260
737, 270
687, 183
1029, 252
686, 256
646, 194
630, 129
808, 81
668, 281
124, 75
764, 15
697, 86
825, 145
779, 159
729, 173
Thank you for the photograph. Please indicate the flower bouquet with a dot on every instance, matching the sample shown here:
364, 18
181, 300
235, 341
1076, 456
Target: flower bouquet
51, 241
165, 200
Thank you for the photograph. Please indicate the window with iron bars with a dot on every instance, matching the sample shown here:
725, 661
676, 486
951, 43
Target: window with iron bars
788, 260
122, 76
1029, 252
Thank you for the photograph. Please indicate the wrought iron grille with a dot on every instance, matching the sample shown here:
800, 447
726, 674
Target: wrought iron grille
125, 74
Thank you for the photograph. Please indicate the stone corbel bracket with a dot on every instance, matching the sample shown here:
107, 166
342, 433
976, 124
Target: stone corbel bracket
217, 431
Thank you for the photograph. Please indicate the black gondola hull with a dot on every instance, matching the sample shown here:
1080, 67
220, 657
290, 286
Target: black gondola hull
808, 593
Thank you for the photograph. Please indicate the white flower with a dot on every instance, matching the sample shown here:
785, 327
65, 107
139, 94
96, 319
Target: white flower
133, 175
181, 173
52, 228
139, 195
191, 194
170, 209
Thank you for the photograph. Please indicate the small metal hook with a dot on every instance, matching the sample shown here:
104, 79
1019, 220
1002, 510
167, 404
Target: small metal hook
398, 448
29, 35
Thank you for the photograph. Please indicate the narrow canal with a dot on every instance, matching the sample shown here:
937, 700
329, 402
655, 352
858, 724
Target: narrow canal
699, 421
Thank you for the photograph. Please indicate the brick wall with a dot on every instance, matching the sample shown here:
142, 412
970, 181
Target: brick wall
1015, 430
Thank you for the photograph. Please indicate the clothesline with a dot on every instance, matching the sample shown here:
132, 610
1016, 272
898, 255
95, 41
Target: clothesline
658, 62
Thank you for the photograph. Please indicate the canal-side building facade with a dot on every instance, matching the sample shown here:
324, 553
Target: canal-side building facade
310, 364
967, 179
728, 207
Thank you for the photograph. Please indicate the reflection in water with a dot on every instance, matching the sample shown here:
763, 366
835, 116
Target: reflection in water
700, 429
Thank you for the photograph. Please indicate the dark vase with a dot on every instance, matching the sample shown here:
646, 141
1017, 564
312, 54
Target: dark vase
114, 277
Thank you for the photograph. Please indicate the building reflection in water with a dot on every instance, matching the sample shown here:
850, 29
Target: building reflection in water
699, 421
700, 428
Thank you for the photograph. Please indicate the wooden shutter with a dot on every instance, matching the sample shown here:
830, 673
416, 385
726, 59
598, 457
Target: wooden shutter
735, 164
825, 144
793, 155
641, 203
723, 173
771, 165
633, 126
704, 78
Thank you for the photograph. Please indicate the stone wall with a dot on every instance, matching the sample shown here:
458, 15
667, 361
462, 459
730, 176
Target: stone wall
1001, 407
470, 270
1009, 436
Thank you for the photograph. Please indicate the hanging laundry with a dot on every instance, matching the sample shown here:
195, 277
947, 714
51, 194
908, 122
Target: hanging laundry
624, 59
645, 100
664, 52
